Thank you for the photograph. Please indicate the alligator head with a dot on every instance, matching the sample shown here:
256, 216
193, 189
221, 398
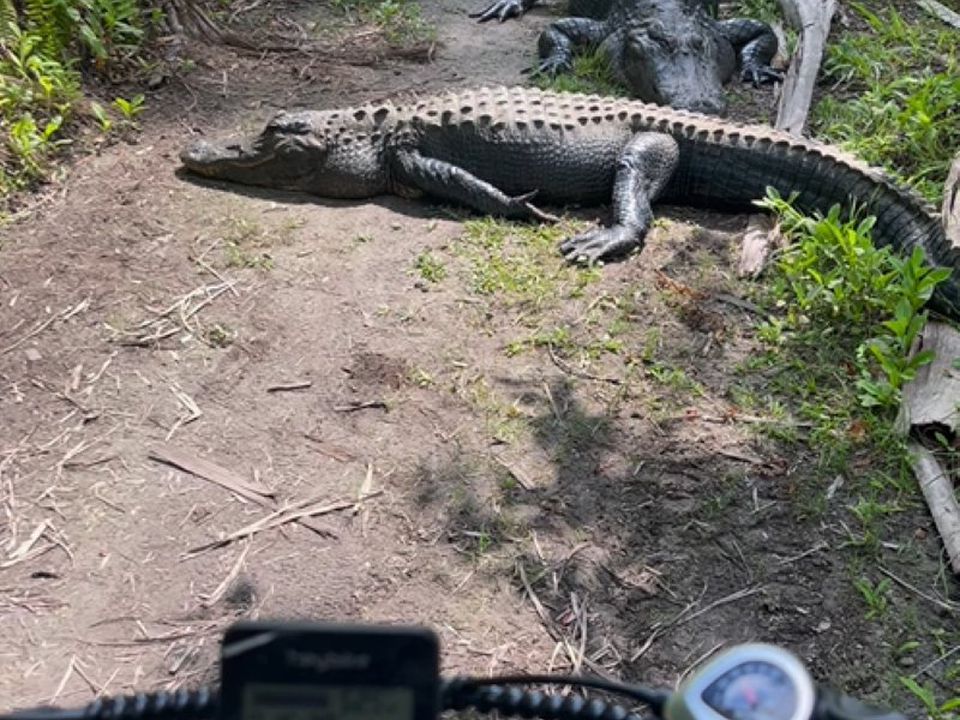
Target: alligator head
308, 151
679, 60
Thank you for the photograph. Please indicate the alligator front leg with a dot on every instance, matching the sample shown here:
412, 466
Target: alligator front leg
503, 9
449, 182
561, 39
756, 44
643, 170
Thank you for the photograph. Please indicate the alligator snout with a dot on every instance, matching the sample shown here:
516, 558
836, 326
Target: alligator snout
198, 155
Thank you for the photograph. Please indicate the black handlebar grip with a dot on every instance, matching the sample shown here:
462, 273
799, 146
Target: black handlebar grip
834, 705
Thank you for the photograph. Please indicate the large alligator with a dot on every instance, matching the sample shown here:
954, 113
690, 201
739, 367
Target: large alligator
495, 149
669, 52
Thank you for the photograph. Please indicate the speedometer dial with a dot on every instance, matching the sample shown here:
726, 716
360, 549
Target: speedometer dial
753, 691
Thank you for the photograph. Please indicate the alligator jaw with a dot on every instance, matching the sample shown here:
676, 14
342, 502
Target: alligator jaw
228, 160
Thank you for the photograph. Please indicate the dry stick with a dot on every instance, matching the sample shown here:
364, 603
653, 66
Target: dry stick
682, 617
227, 479
937, 488
287, 387
579, 373
278, 518
213, 598
360, 405
555, 634
210, 471
65, 314
63, 680
942, 604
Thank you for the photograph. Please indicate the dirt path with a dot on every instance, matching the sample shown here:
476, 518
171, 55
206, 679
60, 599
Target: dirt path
325, 349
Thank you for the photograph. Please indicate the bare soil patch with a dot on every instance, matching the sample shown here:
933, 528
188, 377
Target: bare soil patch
574, 436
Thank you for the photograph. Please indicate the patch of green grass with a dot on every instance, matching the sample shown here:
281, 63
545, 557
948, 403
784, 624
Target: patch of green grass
874, 595
241, 242
896, 99
429, 267
674, 378
400, 21
505, 422
520, 264
591, 74
766, 10
936, 709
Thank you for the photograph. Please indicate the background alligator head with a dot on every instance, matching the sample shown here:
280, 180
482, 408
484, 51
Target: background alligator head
679, 59
318, 152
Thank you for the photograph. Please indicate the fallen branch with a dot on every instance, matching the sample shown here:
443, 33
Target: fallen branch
797, 92
950, 214
941, 12
941, 498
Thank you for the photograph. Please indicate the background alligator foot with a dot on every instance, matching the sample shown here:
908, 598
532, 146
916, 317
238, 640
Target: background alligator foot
760, 75
553, 65
503, 9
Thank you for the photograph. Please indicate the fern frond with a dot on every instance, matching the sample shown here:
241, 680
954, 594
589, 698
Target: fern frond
9, 23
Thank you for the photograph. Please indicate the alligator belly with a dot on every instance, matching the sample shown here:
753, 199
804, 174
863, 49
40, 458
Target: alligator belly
562, 167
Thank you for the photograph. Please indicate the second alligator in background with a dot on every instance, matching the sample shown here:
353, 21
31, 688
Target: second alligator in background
669, 52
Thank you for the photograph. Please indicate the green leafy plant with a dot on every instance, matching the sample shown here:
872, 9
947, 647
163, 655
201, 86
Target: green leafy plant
874, 595
892, 348
833, 274
129, 109
30, 143
103, 118
948, 710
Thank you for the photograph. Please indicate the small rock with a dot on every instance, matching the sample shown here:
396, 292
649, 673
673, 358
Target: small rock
33, 355
906, 661
823, 626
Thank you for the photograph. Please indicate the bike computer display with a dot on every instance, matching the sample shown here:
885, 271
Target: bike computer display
750, 682
289, 671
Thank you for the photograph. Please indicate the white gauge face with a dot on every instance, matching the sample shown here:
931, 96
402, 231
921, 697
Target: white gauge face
755, 690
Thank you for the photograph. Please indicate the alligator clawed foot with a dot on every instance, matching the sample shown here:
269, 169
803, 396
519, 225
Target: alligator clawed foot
520, 205
500, 9
552, 67
599, 244
759, 75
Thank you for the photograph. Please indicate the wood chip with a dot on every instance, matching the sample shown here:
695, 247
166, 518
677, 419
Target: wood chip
210, 471
933, 396
761, 238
